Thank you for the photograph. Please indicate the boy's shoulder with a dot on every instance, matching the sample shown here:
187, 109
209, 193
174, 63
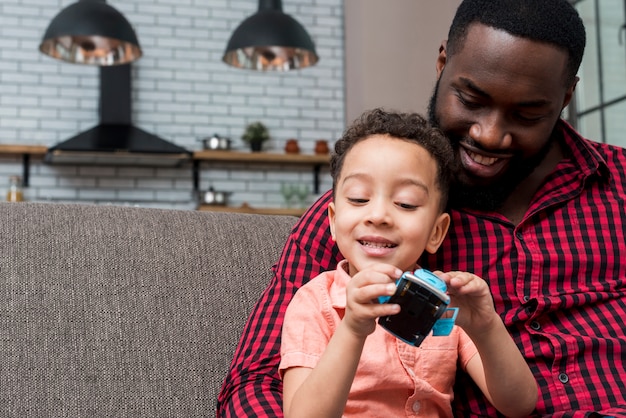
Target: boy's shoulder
329, 286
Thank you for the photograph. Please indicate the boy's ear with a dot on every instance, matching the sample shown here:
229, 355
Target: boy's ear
331, 219
438, 233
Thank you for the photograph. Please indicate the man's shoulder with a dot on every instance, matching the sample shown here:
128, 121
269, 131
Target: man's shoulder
574, 138
613, 157
316, 215
594, 153
607, 149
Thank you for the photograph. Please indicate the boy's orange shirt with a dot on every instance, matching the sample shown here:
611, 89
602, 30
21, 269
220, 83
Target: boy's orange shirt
393, 378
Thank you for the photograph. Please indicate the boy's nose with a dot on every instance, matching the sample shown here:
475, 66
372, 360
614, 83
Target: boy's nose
379, 213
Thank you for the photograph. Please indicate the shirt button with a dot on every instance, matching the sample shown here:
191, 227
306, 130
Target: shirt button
535, 325
519, 236
416, 407
526, 298
563, 378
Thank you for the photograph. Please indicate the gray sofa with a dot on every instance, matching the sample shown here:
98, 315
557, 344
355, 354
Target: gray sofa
109, 311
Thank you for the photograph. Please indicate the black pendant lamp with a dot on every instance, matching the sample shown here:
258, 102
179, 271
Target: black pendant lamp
91, 32
270, 40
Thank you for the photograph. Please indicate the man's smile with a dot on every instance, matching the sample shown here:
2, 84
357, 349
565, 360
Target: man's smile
479, 163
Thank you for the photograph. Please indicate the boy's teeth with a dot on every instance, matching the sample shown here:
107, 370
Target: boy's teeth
376, 244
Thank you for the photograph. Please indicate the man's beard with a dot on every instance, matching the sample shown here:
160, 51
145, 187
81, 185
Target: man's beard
484, 197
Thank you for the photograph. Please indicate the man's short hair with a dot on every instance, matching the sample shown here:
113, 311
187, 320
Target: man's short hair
555, 22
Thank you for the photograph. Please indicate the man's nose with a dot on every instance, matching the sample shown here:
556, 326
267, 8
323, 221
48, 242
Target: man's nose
491, 132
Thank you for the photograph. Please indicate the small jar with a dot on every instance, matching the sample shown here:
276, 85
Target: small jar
292, 147
321, 146
15, 193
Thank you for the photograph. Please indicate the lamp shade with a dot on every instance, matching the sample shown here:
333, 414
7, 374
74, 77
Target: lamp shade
91, 32
270, 40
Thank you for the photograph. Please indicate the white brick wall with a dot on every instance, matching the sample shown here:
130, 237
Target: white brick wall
182, 91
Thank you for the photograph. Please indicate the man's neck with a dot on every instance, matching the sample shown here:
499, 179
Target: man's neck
516, 205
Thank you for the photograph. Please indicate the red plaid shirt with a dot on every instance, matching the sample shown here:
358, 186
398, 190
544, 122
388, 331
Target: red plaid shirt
558, 280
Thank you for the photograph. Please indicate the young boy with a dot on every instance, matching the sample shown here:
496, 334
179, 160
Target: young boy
391, 173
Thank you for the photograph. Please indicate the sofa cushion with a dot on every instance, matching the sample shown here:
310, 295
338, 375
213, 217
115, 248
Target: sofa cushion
109, 311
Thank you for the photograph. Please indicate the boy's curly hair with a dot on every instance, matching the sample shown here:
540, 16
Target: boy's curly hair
411, 127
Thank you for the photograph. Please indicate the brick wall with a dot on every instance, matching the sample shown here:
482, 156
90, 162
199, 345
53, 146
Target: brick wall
182, 91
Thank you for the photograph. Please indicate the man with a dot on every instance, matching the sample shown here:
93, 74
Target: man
537, 211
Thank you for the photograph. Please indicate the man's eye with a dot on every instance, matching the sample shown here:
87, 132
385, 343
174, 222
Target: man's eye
468, 103
529, 119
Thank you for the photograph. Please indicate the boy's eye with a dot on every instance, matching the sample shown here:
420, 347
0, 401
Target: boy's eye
357, 201
407, 206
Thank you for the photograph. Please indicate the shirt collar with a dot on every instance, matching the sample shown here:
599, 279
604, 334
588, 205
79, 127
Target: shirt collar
582, 152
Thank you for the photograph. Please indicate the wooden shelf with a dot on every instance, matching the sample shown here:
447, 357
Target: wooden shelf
17, 150
260, 157
240, 157
25, 151
314, 160
249, 209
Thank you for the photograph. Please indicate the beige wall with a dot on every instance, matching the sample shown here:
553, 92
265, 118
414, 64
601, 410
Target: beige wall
391, 47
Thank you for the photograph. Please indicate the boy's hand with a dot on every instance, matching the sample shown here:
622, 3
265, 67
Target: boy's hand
362, 307
472, 296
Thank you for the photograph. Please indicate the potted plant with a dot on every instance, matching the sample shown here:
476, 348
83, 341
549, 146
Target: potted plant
255, 135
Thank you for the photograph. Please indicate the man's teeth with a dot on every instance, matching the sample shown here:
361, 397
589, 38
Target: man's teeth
481, 159
377, 244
